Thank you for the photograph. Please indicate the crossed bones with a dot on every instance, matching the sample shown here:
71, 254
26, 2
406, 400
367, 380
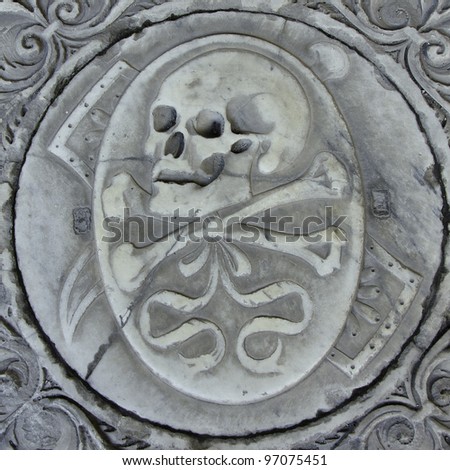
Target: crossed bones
326, 179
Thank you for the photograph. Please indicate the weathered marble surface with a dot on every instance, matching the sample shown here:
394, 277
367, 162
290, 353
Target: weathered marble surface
334, 112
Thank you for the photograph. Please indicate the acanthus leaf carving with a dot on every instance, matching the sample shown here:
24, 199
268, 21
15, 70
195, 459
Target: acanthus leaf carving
419, 420
34, 412
38, 36
416, 33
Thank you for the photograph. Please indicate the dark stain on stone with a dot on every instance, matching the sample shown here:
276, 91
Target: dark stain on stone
82, 220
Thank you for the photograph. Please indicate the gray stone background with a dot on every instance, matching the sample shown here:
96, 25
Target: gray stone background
43, 403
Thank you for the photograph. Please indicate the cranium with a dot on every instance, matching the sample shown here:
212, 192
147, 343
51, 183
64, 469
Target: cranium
230, 134
210, 124
244, 121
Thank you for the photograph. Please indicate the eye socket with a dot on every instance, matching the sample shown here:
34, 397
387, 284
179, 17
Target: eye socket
164, 118
209, 124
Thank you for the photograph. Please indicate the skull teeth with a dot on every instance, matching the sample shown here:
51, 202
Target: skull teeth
212, 168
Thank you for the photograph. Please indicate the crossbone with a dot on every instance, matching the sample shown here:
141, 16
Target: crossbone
330, 184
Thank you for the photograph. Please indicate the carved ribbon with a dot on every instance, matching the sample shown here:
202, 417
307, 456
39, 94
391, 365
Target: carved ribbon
330, 183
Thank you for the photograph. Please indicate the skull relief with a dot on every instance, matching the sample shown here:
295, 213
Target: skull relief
212, 125
244, 118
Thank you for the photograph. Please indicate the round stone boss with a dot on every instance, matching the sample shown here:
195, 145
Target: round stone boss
229, 223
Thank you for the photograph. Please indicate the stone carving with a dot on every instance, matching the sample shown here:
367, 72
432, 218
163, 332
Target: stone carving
388, 23
187, 120
406, 422
376, 311
381, 203
32, 413
189, 157
39, 36
81, 220
80, 289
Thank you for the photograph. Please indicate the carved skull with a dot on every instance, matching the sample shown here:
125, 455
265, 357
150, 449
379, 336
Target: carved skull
226, 126
245, 118
206, 138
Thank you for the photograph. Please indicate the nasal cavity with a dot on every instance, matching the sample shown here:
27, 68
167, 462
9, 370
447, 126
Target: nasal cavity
175, 145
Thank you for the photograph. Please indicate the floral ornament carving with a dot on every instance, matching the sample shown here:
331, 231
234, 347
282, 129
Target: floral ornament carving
34, 414
19, 376
415, 32
418, 415
39, 36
